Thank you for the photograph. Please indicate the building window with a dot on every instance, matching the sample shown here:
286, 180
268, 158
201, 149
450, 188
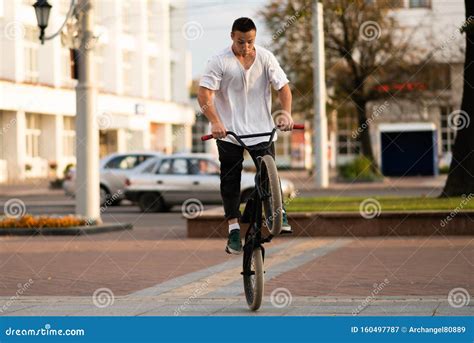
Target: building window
31, 46
447, 132
127, 72
153, 77
200, 128
126, 17
420, 4
178, 138
346, 145
69, 136
33, 132
172, 80
66, 72
151, 19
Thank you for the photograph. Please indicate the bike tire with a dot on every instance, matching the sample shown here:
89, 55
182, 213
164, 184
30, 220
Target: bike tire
272, 205
253, 284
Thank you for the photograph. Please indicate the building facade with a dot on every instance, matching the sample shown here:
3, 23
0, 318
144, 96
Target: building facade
142, 74
434, 25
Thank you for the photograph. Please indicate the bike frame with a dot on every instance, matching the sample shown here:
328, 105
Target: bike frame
253, 235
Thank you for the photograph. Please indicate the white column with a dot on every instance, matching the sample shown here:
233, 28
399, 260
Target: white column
146, 137
122, 140
164, 58
15, 143
141, 54
11, 63
87, 139
112, 51
168, 138
319, 91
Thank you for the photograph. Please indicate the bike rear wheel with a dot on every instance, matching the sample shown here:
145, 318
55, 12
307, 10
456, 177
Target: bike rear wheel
253, 282
271, 195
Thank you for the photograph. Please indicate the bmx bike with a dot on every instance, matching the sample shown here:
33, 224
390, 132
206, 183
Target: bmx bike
263, 208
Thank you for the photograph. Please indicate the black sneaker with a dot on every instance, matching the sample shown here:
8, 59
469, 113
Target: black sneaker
234, 244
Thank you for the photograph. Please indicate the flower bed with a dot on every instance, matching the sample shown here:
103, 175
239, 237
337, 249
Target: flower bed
30, 221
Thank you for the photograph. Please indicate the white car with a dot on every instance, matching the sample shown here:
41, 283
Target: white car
171, 180
114, 170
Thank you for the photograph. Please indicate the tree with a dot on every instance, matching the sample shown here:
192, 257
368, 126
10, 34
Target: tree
364, 48
460, 179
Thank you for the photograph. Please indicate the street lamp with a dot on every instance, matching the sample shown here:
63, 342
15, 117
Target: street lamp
42, 10
87, 138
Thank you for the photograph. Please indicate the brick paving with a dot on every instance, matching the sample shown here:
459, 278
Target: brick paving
158, 276
412, 266
124, 262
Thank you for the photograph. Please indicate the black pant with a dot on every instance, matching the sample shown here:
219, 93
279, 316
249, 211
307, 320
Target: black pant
231, 157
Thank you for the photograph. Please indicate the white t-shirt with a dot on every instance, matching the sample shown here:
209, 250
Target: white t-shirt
243, 98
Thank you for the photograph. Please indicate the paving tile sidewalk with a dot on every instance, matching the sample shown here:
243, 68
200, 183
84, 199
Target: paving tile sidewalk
236, 306
195, 277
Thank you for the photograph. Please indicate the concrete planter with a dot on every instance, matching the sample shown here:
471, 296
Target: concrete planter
211, 224
65, 231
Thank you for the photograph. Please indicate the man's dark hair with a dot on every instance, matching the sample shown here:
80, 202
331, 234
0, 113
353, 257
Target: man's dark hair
243, 25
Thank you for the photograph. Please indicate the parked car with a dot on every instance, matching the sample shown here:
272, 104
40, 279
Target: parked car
114, 170
171, 180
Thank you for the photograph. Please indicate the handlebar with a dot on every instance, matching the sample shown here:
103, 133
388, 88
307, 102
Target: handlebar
210, 136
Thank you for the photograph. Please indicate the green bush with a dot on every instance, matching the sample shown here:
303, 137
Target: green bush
360, 169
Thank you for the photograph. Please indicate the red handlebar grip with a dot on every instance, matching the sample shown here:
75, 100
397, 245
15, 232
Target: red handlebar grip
206, 137
298, 127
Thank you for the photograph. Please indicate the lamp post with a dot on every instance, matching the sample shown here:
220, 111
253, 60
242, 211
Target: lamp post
87, 138
319, 91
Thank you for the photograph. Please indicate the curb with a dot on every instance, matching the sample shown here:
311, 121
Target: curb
65, 231
211, 224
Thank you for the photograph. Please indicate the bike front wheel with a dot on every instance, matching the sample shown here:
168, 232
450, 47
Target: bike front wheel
253, 280
271, 195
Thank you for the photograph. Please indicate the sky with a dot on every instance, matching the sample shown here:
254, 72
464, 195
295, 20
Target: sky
215, 17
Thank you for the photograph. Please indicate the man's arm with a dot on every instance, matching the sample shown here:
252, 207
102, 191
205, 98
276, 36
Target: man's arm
205, 100
285, 121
